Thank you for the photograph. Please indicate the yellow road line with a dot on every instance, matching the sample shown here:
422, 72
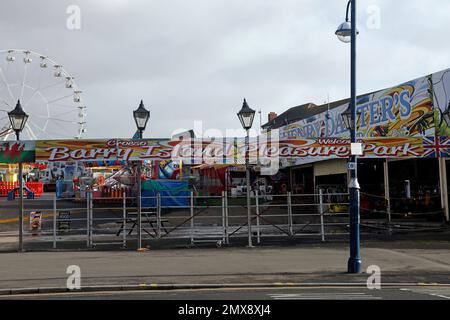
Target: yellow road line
12, 220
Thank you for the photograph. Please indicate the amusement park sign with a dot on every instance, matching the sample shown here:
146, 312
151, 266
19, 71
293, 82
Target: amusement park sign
220, 150
95, 150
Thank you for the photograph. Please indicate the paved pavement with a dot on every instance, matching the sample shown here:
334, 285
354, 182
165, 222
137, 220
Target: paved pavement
400, 262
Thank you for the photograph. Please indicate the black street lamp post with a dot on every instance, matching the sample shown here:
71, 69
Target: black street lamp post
141, 117
347, 33
246, 116
18, 119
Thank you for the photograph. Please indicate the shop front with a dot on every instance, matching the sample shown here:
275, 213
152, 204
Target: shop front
414, 186
302, 179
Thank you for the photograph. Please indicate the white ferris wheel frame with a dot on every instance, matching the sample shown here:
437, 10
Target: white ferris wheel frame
7, 131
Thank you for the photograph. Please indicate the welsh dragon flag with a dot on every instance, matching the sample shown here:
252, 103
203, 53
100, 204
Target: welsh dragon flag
15, 151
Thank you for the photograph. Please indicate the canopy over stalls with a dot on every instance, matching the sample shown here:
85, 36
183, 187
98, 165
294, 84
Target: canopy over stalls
173, 193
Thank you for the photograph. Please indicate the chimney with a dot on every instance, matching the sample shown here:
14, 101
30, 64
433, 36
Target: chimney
272, 116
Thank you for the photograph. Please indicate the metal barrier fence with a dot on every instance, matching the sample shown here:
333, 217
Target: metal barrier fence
94, 222
195, 219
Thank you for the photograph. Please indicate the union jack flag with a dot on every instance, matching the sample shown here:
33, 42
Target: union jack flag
445, 147
436, 147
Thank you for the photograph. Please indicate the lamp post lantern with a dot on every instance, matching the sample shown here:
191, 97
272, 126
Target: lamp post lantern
18, 119
246, 116
141, 117
344, 31
347, 118
347, 32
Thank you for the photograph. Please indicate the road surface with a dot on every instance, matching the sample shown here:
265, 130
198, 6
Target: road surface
323, 293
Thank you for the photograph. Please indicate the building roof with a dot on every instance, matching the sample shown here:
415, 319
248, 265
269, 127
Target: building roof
301, 112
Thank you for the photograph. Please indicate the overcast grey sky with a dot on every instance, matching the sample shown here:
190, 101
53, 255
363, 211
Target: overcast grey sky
196, 59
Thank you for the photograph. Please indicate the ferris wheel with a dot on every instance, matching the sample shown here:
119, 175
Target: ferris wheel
47, 93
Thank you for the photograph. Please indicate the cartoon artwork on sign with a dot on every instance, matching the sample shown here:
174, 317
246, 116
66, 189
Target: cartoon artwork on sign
402, 111
441, 98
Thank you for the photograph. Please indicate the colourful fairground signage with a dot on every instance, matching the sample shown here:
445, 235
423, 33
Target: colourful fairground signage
102, 150
411, 109
405, 121
230, 151
220, 150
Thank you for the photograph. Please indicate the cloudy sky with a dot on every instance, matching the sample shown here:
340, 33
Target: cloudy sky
195, 60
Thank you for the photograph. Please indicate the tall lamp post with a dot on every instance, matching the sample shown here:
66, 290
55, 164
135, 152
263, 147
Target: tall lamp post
141, 117
347, 32
246, 116
18, 119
